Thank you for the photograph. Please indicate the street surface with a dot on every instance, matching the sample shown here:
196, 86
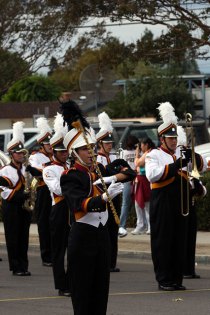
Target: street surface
133, 291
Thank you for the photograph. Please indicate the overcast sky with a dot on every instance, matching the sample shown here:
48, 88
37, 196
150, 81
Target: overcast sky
132, 32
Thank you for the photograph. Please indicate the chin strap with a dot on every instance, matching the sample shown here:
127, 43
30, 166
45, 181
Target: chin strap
79, 158
172, 152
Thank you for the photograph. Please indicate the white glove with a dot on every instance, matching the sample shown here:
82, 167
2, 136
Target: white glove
113, 190
107, 180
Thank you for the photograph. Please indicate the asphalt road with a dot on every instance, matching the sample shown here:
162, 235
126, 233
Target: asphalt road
133, 291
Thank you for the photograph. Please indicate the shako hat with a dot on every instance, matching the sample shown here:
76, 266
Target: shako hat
169, 126
45, 132
17, 142
60, 129
106, 129
80, 132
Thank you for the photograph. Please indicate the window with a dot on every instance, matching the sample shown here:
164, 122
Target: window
2, 142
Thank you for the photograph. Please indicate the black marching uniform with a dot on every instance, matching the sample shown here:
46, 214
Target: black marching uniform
59, 224
168, 224
112, 225
197, 191
89, 242
43, 204
15, 218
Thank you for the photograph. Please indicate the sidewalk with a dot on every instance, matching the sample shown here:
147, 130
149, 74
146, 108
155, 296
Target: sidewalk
138, 245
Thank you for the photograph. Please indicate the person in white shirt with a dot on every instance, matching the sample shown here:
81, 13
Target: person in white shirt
128, 154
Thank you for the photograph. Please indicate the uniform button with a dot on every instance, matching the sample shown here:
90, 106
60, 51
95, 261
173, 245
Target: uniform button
100, 218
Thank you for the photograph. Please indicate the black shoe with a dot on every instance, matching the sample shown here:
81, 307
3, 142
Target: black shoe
115, 269
19, 273
27, 273
194, 276
0, 259
166, 287
47, 264
64, 293
178, 287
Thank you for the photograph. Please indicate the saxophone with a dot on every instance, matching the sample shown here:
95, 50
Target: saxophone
30, 188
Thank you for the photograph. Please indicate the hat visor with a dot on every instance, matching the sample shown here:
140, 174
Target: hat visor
20, 151
59, 149
107, 141
170, 136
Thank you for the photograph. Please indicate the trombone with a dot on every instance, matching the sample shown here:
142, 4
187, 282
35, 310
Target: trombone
194, 172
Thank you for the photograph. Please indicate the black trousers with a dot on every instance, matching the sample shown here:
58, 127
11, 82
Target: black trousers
16, 226
42, 211
113, 231
189, 262
59, 229
89, 264
168, 232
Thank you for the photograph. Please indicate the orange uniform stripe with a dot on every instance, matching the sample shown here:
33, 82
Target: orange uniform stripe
57, 199
162, 184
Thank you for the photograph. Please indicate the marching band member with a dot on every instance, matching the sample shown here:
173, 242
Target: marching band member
15, 217
164, 169
197, 190
105, 157
43, 205
89, 243
59, 216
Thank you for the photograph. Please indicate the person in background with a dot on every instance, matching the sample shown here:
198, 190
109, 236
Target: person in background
16, 217
105, 157
128, 154
197, 191
59, 216
142, 189
43, 205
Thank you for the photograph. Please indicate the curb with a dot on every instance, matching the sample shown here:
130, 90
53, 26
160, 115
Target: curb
145, 256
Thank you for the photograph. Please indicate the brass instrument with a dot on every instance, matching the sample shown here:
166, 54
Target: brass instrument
30, 188
194, 170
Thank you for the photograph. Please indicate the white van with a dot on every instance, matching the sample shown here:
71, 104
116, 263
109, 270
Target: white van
6, 136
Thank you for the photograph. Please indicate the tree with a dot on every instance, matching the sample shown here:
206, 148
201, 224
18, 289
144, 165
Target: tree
52, 66
39, 28
32, 89
143, 96
12, 68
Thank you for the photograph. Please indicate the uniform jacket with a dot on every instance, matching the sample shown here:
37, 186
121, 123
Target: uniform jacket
15, 179
51, 176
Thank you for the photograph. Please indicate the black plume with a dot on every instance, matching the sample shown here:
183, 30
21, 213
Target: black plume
72, 113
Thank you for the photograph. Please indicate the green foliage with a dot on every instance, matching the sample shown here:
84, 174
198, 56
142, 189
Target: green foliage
32, 89
12, 68
142, 97
203, 206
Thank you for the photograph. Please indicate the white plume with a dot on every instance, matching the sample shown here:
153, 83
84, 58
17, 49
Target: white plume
42, 125
18, 133
167, 114
59, 127
92, 134
105, 122
182, 137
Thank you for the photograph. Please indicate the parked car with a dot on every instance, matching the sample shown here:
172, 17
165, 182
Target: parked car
204, 150
122, 129
6, 136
